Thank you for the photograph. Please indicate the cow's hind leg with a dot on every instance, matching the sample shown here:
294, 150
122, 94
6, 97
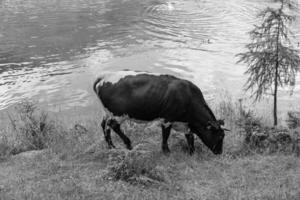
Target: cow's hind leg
166, 130
117, 128
190, 140
107, 136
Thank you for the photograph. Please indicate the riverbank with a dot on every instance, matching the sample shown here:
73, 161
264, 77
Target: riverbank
71, 161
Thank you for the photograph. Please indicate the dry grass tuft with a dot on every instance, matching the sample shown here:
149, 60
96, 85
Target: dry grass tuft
30, 129
5, 147
136, 166
293, 120
68, 143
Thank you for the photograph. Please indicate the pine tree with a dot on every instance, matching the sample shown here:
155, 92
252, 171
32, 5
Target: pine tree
272, 61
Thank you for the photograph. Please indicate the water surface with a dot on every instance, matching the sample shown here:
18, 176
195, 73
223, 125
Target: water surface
51, 51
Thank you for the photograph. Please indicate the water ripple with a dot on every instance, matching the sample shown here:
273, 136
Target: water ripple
52, 50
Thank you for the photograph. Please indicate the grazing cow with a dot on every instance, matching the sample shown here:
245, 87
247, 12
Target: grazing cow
143, 96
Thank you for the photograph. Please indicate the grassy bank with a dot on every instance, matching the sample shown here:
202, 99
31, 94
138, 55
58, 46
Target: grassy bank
43, 158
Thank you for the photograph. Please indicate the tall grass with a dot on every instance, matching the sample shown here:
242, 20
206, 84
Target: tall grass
293, 120
77, 164
251, 134
31, 129
5, 147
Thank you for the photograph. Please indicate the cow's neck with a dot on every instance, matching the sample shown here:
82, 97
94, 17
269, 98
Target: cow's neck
202, 115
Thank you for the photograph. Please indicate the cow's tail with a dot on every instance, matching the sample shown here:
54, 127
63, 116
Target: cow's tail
95, 85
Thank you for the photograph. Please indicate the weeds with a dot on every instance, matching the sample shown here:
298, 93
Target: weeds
263, 139
69, 143
5, 148
135, 166
293, 120
32, 128
255, 136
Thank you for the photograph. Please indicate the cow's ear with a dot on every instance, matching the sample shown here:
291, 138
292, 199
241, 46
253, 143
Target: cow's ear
221, 122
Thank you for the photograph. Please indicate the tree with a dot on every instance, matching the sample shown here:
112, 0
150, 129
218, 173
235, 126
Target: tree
272, 61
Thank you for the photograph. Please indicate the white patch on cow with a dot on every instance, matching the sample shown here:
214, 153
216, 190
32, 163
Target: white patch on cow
114, 77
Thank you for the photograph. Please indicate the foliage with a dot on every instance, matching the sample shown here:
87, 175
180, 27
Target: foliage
32, 128
269, 140
265, 140
293, 120
136, 166
272, 60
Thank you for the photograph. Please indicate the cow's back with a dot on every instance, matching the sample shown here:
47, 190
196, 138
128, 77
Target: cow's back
143, 96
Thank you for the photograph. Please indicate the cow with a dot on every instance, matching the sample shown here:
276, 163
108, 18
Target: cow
142, 96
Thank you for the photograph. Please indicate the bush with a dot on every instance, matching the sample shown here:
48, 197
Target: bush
250, 123
256, 137
32, 128
272, 140
293, 120
136, 166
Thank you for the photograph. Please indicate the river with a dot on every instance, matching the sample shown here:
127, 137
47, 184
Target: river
51, 51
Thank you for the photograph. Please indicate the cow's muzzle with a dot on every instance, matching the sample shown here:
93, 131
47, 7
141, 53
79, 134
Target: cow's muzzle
218, 148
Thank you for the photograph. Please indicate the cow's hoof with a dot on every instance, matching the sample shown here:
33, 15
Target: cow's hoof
129, 147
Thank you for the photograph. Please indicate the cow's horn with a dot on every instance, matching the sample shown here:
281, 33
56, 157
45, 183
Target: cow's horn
224, 129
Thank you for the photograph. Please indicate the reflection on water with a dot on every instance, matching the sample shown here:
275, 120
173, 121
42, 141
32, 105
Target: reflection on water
52, 51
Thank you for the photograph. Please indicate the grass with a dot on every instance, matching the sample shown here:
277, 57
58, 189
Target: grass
30, 128
293, 119
72, 162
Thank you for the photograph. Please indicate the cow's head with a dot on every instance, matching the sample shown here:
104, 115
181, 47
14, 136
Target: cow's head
213, 135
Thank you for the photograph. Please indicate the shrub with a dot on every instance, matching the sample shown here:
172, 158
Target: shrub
272, 140
249, 122
256, 137
32, 128
136, 166
293, 120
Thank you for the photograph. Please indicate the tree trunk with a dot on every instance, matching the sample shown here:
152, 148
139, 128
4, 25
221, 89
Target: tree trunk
276, 69
275, 96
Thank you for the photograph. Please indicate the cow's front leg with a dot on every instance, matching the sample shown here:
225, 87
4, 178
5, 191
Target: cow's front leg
106, 132
190, 140
166, 130
117, 128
